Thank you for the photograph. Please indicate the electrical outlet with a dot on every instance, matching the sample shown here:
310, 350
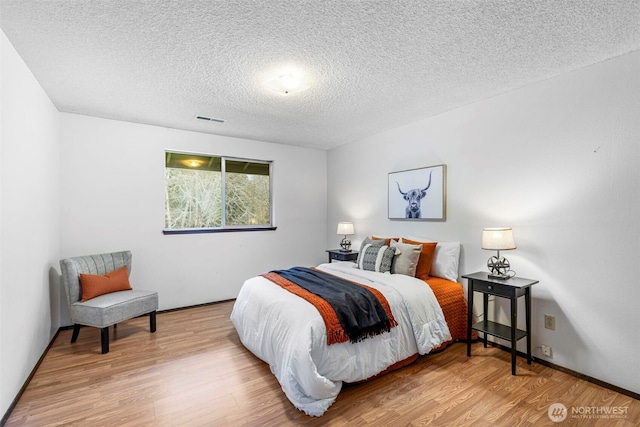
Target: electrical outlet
550, 322
546, 350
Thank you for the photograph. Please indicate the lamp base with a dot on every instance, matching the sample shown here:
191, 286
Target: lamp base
498, 267
345, 244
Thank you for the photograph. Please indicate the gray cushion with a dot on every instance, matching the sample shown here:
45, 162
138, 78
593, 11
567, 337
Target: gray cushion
405, 260
108, 309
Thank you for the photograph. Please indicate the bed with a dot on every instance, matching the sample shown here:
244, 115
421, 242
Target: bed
289, 334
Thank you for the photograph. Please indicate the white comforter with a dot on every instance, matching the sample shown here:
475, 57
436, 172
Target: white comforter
289, 334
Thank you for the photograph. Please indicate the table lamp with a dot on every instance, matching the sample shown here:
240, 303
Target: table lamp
346, 229
498, 239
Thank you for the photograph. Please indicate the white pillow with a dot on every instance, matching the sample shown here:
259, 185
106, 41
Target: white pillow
445, 260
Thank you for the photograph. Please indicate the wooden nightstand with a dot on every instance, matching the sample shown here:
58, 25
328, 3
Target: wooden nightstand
340, 255
512, 289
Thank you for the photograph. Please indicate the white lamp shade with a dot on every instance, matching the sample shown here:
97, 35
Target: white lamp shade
345, 228
500, 239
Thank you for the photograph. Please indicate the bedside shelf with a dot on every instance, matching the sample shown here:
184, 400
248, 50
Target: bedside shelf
498, 330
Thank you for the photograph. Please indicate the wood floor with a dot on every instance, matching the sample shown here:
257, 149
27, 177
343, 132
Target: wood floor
194, 372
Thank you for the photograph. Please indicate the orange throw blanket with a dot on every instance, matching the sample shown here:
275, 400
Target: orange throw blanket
335, 331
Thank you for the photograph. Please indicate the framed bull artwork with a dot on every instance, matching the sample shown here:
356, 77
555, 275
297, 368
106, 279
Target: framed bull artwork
418, 194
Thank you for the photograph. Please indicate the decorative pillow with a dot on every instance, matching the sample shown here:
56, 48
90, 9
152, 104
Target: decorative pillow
365, 242
387, 240
376, 258
426, 257
446, 260
94, 285
368, 241
406, 258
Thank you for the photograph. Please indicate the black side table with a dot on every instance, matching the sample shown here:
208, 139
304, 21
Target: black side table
340, 255
509, 288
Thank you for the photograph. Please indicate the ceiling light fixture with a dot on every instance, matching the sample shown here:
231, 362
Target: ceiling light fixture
287, 84
192, 163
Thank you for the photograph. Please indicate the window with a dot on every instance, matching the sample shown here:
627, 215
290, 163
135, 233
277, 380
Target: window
214, 193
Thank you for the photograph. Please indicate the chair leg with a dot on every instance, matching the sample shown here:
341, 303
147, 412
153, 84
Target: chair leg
104, 339
152, 321
76, 331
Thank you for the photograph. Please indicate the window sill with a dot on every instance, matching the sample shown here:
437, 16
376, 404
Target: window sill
216, 230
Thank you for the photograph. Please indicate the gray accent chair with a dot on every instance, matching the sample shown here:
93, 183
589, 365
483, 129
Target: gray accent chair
109, 309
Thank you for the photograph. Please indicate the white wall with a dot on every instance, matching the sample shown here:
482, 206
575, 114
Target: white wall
75, 185
29, 218
559, 162
113, 199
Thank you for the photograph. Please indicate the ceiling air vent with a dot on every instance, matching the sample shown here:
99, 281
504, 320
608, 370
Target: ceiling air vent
209, 119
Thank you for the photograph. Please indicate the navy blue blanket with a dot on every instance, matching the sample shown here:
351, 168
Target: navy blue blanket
358, 308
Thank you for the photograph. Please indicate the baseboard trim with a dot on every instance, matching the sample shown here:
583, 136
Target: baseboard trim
169, 310
569, 372
15, 401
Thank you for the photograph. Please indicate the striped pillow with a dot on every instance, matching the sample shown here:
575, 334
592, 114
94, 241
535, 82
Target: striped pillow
376, 258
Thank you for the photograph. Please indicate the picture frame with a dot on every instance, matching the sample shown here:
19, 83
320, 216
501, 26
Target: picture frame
418, 194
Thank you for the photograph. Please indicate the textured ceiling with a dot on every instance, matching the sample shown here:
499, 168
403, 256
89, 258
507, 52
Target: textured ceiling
371, 65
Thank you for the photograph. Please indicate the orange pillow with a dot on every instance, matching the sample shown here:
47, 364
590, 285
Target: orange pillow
387, 240
94, 285
426, 257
